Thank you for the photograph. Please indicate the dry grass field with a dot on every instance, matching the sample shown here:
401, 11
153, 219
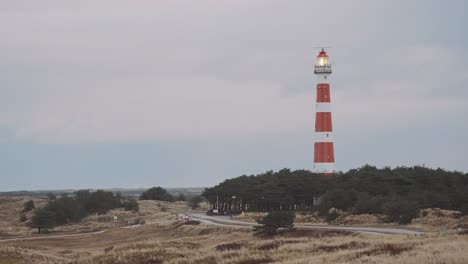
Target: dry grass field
177, 243
10, 209
163, 239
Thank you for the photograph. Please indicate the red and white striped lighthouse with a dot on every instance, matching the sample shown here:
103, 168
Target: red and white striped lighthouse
324, 154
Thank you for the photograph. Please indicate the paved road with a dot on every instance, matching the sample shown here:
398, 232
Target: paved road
226, 221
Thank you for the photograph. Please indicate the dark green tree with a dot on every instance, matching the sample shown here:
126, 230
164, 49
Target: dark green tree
101, 201
157, 193
273, 221
43, 219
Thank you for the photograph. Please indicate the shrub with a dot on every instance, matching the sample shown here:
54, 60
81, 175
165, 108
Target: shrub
28, 206
131, 205
192, 222
23, 218
195, 201
181, 197
139, 221
273, 221
332, 216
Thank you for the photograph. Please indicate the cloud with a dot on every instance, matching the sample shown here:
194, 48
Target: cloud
203, 108
163, 109
390, 103
117, 71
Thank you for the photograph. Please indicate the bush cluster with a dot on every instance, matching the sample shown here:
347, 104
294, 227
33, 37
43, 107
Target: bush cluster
68, 209
273, 221
157, 193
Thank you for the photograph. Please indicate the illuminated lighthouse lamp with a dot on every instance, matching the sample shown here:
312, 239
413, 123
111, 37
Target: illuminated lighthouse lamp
322, 64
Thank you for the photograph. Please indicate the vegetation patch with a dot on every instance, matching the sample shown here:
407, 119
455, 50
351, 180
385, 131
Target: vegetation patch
344, 246
108, 249
207, 260
269, 246
229, 246
12, 255
8, 259
256, 261
66, 252
230, 255
133, 246
388, 248
192, 222
276, 244
177, 244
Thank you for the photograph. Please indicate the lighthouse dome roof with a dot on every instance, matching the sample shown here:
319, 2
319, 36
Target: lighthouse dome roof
322, 54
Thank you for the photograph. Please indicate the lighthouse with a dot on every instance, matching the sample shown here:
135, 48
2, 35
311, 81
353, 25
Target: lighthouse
324, 154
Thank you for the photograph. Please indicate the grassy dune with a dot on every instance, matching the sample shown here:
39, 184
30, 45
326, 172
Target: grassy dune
163, 239
174, 243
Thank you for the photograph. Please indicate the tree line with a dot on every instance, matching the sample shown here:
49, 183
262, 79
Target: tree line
67, 209
72, 208
398, 193
161, 194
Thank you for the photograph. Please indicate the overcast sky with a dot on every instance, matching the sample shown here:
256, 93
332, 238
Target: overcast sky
189, 93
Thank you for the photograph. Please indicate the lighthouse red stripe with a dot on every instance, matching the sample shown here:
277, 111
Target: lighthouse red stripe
324, 152
323, 122
323, 93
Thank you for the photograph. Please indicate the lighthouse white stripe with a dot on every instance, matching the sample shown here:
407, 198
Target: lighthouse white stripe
323, 136
322, 78
324, 167
323, 107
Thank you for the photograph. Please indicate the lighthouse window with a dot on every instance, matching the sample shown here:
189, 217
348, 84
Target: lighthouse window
325, 77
